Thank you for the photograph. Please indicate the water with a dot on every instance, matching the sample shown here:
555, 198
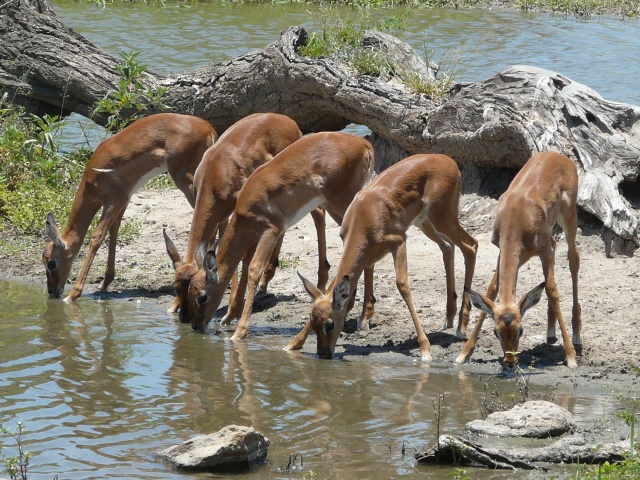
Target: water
473, 44
101, 386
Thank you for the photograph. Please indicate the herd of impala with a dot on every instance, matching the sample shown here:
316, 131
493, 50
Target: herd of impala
262, 176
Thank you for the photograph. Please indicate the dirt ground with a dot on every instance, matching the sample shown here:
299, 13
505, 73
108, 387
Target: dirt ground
609, 293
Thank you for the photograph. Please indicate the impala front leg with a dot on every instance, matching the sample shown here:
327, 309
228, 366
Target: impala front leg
109, 214
470, 344
238, 289
263, 251
298, 341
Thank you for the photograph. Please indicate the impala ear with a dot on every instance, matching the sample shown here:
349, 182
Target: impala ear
313, 291
201, 251
51, 227
174, 255
530, 299
210, 266
341, 293
480, 301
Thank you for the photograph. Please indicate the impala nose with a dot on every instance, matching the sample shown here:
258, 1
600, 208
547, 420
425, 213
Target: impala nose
55, 292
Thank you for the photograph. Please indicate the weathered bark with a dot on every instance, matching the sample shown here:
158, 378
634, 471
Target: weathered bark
452, 450
497, 123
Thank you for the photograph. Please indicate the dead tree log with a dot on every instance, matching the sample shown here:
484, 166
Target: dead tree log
497, 123
452, 450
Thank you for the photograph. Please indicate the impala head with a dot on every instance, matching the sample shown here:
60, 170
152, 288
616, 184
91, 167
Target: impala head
508, 319
184, 273
205, 293
328, 313
56, 258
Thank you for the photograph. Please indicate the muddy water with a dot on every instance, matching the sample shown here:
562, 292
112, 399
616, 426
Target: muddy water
100, 386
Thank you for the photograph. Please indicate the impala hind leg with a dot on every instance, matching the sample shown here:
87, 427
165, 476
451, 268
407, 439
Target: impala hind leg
270, 268
448, 257
262, 254
570, 227
318, 215
548, 263
368, 303
468, 245
402, 282
110, 272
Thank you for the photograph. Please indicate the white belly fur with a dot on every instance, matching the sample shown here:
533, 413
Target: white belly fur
304, 210
148, 176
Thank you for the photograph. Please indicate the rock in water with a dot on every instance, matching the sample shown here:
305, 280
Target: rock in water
232, 448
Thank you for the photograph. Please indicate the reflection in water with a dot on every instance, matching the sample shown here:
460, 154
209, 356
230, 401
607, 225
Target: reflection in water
102, 385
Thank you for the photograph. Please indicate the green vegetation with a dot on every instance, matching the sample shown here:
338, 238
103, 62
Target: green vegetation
16, 466
340, 40
130, 100
35, 176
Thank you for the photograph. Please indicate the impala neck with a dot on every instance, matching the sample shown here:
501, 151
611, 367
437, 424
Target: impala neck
508, 273
78, 223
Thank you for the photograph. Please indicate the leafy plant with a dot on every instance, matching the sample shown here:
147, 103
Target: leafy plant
631, 420
131, 99
16, 467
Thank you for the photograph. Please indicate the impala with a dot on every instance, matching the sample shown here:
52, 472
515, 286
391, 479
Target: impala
542, 193
225, 167
421, 190
121, 165
320, 170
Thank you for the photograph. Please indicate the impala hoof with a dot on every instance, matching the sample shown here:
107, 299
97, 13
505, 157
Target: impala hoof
571, 363
461, 359
461, 334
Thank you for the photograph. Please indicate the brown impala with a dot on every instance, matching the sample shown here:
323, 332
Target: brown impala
542, 193
422, 190
225, 167
320, 170
122, 164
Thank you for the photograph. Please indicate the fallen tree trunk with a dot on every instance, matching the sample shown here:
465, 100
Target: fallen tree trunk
452, 450
497, 123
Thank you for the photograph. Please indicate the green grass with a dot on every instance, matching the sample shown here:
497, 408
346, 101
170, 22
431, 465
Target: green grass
340, 40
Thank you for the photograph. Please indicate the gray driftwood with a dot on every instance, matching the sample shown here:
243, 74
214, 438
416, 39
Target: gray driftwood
452, 450
497, 123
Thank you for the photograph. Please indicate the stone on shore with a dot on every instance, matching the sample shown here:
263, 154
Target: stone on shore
534, 419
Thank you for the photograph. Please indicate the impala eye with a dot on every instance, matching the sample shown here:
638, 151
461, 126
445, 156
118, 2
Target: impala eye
51, 265
201, 299
496, 333
520, 331
329, 326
